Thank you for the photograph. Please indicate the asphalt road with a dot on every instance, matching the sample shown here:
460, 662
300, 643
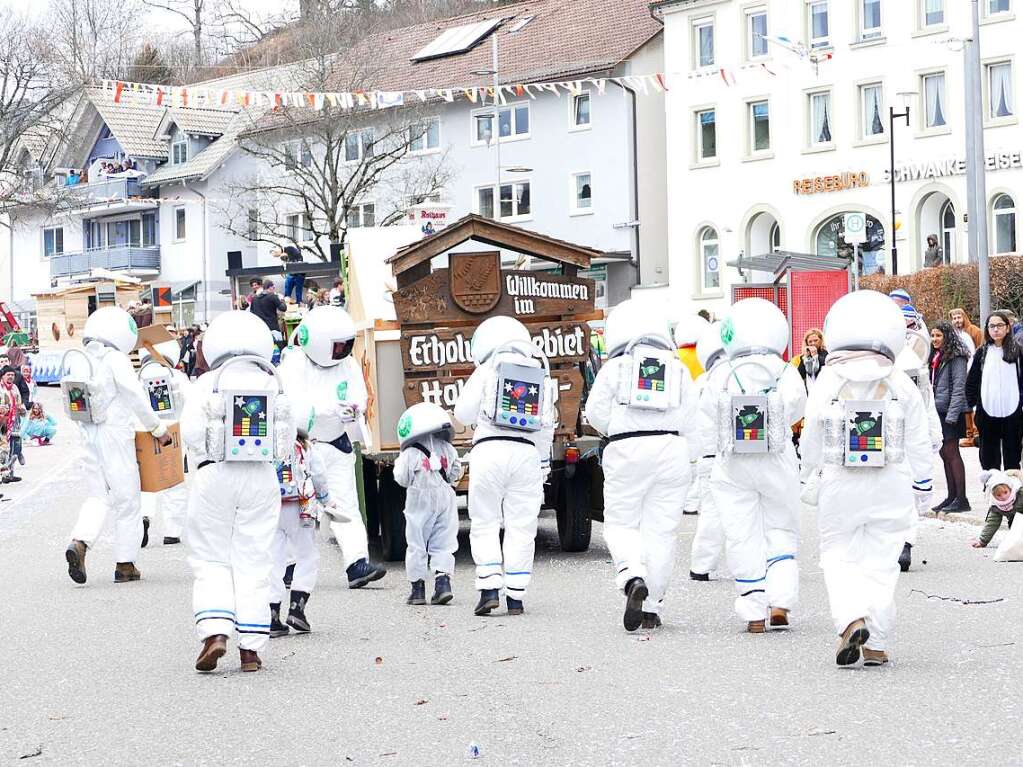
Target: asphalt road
102, 674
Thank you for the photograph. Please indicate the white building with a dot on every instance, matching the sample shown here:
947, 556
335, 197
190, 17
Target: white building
768, 149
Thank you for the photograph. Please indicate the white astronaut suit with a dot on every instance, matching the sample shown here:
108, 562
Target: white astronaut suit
507, 467
323, 379
234, 505
110, 481
686, 335
755, 493
171, 503
647, 459
864, 512
709, 539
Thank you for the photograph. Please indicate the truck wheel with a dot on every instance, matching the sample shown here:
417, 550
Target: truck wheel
391, 505
573, 510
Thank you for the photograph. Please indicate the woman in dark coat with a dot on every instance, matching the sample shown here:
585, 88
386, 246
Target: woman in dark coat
947, 364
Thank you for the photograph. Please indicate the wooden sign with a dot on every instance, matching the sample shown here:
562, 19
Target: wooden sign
524, 294
475, 281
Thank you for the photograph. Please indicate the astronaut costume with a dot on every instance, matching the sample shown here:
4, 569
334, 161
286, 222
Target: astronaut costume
686, 334
709, 539
429, 466
644, 401
236, 423
866, 450
754, 399
324, 379
508, 464
172, 502
104, 395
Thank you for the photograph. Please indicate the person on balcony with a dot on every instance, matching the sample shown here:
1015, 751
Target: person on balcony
294, 282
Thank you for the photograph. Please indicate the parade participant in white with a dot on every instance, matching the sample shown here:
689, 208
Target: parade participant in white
168, 388
428, 466
687, 333
509, 462
236, 423
756, 399
709, 539
866, 449
107, 399
324, 378
644, 401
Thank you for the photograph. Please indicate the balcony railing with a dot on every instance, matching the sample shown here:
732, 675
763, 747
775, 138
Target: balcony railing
124, 258
108, 190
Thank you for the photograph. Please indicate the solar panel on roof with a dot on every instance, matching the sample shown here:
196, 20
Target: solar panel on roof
457, 40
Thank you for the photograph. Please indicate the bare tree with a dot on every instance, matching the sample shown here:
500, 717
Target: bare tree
194, 12
240, 26
95, 38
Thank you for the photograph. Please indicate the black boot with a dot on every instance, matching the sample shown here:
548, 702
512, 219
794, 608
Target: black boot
906, 557
489, 600
651, 621
441, 590
145, 531
289, 574
636, 593
418, 593
699, 576
941, 506
362, 572
957, 505
296, 613
514, 606
170, 540
277, 629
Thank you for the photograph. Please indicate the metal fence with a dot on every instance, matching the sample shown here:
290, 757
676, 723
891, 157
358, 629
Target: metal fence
122, 258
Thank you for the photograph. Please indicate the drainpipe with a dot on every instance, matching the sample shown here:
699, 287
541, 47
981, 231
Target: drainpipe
10, 253
634, 148
205, 275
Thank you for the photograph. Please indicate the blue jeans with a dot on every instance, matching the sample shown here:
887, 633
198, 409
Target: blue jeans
296, 281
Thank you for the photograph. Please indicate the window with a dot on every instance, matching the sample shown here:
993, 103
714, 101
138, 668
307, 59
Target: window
756, 33
870, 19
994, 7
932, 13
296, 152
149, 236
871, 99
818, 24
703, 43
582, 193
425, 136
820, 118
363, 215
1005, 224
934, 100
514, 201
710, 266
457, 40
95, 235
706, 135
775, 237
179, 224
830, 240
512, 123
759, 127
581, 111
53, 241
179, 149
359, 145
999, 91
948, 232
298, 227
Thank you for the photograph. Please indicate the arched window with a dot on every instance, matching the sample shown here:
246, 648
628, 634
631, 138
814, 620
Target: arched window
830, 240
710, 265
775, 237
1004, 224
948, 232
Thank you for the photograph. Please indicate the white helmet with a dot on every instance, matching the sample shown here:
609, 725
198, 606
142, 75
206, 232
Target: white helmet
234, 333
326, 335
631, 320
112, 326
865, 321
754, 326
709, 347
495, 332
423, 419
689, 329
169, 350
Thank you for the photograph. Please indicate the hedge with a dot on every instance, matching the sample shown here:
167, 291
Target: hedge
936, 291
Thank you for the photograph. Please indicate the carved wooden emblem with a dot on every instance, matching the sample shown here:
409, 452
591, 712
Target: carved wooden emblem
476, 281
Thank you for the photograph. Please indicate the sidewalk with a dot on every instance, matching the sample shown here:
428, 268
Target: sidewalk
974, 490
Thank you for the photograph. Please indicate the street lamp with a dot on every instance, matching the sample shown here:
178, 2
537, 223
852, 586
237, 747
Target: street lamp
906, 97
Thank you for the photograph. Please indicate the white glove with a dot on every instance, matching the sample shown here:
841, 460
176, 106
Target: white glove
334, 510
811, 489
347, 412
160, 430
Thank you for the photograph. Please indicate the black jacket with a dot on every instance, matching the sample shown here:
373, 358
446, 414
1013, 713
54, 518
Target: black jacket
822, 355
266, 306
977, 370
949, 386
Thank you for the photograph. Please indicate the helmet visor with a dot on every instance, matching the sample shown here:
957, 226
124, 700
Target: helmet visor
339, 350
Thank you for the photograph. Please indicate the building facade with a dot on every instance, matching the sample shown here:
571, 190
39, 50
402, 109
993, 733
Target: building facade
778, 121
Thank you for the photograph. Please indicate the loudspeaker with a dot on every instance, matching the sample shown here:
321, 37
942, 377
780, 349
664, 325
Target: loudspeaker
335, 252
234, 259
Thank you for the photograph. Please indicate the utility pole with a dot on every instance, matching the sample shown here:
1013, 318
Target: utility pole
976, 164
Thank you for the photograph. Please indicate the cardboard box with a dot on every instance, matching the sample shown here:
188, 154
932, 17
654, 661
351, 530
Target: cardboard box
159, 467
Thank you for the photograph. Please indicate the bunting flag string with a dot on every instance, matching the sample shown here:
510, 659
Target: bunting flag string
229, 98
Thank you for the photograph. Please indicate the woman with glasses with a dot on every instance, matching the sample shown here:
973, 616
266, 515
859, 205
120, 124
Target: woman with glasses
994, 386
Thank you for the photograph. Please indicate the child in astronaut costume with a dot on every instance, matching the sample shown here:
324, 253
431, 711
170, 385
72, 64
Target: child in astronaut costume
509, 462
643, 401
866, 449
104, 395
686, 333
236, 424
429, 466
753, 400
323, 379
167, 390
709, 539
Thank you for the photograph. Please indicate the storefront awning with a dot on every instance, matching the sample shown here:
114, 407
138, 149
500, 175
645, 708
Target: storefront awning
782, 261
